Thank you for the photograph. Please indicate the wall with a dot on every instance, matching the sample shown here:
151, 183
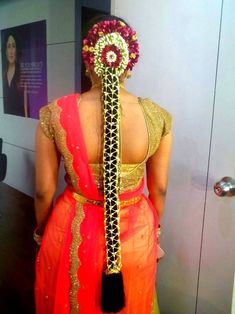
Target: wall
178, 49
17, 132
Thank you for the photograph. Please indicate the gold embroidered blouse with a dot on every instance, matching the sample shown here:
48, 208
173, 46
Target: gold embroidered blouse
158, 123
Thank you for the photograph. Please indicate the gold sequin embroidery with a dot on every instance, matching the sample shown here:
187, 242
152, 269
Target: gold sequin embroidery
74, 259
45, 122
130, 176
158, 122
60, 139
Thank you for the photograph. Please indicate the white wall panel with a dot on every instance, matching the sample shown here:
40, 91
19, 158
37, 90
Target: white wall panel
59, 16
20, 168
218, 248
61, 21
178, 50
18, 131
61, 70
21, 172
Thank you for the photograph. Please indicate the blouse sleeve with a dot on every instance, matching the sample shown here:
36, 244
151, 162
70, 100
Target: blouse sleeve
167, 122
158, 122
45, 122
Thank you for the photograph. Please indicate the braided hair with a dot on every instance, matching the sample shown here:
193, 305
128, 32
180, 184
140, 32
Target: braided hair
111, 48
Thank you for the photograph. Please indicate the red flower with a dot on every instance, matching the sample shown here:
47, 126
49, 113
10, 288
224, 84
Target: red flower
111, 56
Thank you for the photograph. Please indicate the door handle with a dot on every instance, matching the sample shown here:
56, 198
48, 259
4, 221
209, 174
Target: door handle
225, 187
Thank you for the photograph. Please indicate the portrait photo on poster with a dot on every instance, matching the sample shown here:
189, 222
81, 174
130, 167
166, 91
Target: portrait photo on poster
24, 69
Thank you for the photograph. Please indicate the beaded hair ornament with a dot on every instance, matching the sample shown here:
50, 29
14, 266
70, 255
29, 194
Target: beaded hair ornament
111, 48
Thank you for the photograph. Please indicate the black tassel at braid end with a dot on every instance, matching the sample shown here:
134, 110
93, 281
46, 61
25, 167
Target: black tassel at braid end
113, 296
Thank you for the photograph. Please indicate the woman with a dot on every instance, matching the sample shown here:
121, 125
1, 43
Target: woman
14, 95
99, 246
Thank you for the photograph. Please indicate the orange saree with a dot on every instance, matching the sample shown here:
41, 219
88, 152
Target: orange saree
71, 258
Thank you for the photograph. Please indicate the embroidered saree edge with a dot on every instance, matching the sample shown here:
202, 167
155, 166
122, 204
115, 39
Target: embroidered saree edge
74, 259
60, 138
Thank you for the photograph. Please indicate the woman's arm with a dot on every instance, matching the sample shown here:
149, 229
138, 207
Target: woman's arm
47, 164
157, 173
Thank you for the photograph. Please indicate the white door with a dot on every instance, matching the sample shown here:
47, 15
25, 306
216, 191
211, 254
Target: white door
217, 264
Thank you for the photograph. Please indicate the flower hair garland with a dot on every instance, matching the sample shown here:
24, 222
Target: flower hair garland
99, 30
111, 51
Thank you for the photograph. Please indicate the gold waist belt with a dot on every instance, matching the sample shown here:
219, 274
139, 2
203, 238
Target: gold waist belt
83, 200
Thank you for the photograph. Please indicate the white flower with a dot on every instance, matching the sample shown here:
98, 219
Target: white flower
111, 39
111, 56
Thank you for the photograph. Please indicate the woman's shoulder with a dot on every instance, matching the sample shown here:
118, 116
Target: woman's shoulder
154, 108
49, 113
65, 100
157, 115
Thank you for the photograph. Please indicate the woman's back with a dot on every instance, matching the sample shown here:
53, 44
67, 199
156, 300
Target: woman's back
100, 240
134, 134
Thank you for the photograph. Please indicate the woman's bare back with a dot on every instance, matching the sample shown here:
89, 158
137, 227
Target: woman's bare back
134, 135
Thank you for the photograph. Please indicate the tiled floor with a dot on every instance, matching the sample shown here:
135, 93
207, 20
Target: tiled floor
17, 251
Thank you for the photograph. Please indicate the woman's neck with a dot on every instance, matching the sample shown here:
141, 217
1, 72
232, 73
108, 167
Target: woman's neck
11, 67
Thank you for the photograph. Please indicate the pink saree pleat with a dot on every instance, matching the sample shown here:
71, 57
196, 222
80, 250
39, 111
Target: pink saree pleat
62, 290
70, 122
49, 261
72, 256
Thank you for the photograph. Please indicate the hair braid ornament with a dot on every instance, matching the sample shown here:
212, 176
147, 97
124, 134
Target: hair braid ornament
111, 48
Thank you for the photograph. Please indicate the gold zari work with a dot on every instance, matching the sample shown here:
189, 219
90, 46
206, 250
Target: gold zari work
45, 122
74, 260
50, 123
130, 176
158, 122
83, 200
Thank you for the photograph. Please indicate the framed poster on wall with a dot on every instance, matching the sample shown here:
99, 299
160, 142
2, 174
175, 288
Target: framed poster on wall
24, 69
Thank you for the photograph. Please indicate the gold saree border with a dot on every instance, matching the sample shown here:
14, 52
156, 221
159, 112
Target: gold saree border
45, 122
60, 139
74, 259
154, 306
